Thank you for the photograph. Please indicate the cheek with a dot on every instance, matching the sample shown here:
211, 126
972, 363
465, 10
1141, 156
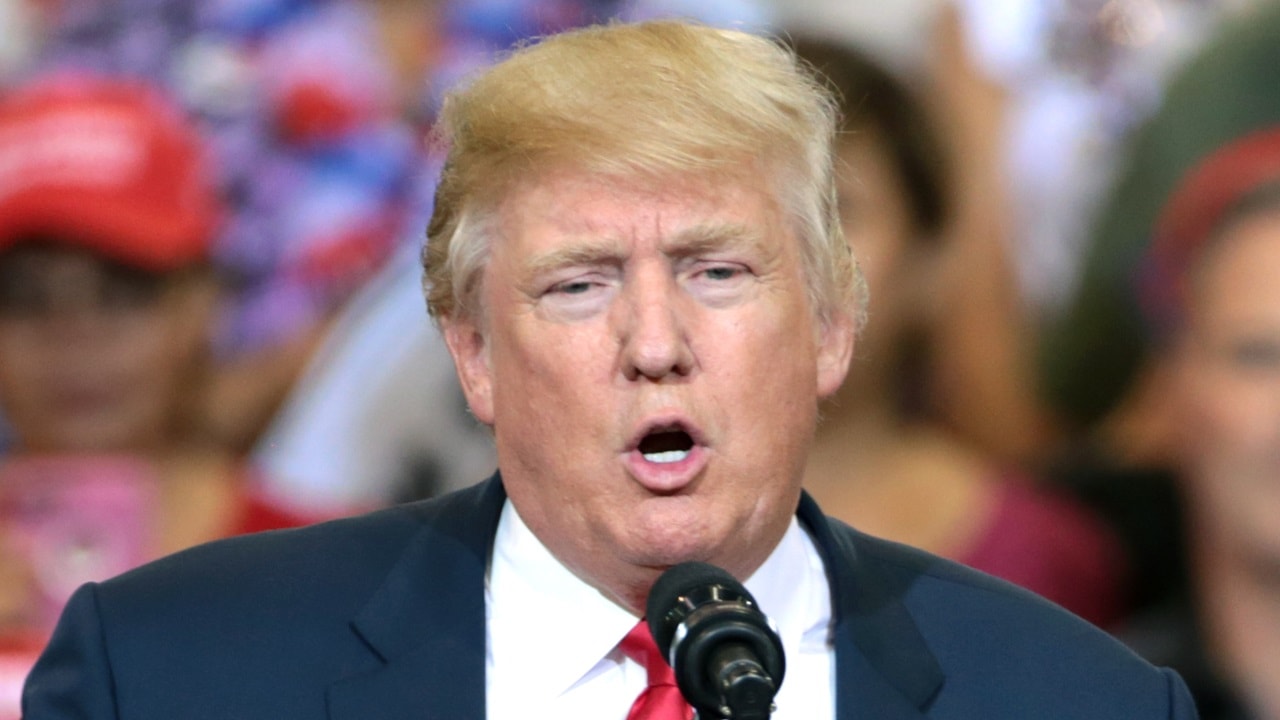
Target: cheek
156, 362
561, 360
557, 381
20, 360
767, 394
154, 355
1233, 464
22, 377
1233, 421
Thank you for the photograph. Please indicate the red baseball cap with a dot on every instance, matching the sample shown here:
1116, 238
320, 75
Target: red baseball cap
1204, 196
108, 165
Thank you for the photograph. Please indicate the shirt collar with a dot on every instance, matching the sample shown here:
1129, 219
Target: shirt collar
543, 619
530, 595
791, 590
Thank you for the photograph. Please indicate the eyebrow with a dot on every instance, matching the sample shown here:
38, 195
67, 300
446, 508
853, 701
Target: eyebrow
592, 252
696, 240
714, 237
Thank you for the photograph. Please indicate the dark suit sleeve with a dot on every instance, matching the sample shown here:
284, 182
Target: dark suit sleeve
1181, 706
72, 678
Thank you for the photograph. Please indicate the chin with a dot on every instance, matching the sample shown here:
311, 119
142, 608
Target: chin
664, 549
663, 553
672, 547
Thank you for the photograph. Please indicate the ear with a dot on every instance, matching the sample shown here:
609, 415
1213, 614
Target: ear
471, 359
835, 351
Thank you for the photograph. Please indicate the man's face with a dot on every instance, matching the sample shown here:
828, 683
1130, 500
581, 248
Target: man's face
651, 367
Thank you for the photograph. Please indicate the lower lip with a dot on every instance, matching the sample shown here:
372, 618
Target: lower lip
667, 478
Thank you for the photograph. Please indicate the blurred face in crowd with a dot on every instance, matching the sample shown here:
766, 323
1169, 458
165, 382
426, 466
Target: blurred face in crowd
1229, 375
878, 224
95, 357
651, 366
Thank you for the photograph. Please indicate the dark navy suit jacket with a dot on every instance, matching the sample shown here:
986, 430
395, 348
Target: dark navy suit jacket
383, 617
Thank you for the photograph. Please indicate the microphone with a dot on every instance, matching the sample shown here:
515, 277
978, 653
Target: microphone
727, 657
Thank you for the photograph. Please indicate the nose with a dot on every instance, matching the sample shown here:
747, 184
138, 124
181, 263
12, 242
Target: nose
653, 331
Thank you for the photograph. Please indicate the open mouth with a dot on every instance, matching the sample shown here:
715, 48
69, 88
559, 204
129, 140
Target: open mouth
666, 446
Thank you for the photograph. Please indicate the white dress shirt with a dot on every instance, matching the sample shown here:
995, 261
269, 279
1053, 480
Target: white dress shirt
552, 639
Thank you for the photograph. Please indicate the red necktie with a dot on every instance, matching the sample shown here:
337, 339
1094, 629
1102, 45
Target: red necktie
662, 699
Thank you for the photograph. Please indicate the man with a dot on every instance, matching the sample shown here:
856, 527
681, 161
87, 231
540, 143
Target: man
636, 262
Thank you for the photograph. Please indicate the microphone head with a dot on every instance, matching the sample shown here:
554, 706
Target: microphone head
725, 652
680, 590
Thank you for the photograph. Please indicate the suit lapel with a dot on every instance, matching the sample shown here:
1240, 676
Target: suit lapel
426, 623
884, 668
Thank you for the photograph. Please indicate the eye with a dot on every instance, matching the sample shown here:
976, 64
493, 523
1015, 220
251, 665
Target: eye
573, 287
578, 297
1255, 353
124, 290
719, 283
21, 296
721, 272
718, 272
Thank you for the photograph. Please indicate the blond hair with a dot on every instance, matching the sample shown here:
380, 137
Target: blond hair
647, 100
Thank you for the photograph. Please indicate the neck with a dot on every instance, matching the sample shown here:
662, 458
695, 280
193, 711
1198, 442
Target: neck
197, 499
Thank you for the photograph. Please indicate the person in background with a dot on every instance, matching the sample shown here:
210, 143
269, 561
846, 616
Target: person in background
1212, 305
982, 377
883, 461
107, 305
298, 103
1100, 372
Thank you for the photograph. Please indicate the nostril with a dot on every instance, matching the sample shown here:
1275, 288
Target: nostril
666, 441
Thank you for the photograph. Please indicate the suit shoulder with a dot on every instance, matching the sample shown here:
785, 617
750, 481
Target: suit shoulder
987, 634
329, 560
259, 625
298, 547
929, 584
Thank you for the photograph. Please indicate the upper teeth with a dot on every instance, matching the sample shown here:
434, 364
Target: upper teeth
667, 456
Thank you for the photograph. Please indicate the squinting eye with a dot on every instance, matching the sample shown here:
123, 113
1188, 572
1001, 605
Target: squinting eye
572, 288
721, 273
577, 298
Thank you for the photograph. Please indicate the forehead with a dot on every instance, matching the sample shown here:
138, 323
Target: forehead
1242, 264
561, 211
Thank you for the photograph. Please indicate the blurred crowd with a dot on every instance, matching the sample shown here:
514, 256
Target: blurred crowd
211, 318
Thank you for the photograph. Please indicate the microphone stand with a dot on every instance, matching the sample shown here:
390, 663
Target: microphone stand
745, 690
